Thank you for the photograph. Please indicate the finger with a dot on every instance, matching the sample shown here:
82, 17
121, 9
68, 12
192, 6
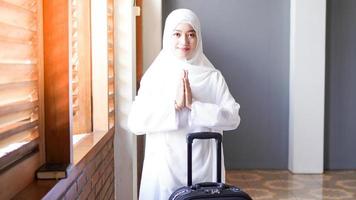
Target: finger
183, 85
187, 92
187, 88
187, 84
188, 100
183, 92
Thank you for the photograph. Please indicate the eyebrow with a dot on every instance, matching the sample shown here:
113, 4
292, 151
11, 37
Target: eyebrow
187, 31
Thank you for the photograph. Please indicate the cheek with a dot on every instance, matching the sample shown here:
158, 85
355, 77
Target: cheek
175, 42
194, 44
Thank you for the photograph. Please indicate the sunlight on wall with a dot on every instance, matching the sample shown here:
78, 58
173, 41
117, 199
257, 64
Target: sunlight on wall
125, 80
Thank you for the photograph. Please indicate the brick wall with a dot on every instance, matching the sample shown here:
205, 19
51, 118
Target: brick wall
92, 177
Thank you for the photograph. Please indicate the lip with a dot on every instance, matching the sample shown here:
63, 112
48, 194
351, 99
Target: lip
184, 48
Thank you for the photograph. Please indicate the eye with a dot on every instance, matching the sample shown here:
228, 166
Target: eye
176, 34
192, 35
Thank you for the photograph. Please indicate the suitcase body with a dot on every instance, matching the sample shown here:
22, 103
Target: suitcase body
207, 190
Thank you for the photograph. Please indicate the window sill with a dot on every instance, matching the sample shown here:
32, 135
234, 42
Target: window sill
84, 145
36, 190
83, 152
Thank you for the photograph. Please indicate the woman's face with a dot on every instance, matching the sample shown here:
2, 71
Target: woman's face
184, 41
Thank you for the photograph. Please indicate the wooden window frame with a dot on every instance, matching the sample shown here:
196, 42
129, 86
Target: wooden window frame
81, 67
24, 29
26, 160
56, 95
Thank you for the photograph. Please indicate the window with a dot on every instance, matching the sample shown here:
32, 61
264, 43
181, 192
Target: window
56, 80
20, 79
102, 39
110, 13
31, 91
81, 68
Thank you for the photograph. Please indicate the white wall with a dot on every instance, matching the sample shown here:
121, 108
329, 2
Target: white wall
125, 70
152, 30
307, 77
125, 81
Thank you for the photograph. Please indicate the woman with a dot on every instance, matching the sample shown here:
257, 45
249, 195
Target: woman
181, 92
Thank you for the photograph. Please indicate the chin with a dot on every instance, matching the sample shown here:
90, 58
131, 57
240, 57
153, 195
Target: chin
183, 56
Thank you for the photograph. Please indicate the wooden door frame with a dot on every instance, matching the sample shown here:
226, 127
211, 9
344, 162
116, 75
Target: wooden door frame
139, 72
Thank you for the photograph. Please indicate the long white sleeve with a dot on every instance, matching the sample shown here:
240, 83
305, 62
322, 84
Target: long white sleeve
223, 114
153, 108
152, 116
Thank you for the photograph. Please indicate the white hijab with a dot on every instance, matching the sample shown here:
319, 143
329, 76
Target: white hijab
167, 68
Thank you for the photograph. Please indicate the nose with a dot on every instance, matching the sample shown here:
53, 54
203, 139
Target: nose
184, 39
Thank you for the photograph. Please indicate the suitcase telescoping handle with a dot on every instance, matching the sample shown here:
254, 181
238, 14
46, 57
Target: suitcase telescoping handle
204, 135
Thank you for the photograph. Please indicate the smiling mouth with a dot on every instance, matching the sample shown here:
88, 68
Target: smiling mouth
184, 49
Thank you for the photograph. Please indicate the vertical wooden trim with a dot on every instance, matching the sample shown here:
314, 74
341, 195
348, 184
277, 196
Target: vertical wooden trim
139, 51
99, 56
111, 64
41, 112
83, 118
139, 72
57, 80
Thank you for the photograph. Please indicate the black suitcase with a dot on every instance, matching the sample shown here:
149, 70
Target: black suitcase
207, 190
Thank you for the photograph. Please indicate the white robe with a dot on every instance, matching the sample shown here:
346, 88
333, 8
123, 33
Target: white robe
153, 113
213, 109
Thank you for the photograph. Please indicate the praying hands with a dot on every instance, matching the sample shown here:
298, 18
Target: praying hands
184, 93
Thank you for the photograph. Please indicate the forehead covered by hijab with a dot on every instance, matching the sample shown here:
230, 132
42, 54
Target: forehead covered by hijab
181, 16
